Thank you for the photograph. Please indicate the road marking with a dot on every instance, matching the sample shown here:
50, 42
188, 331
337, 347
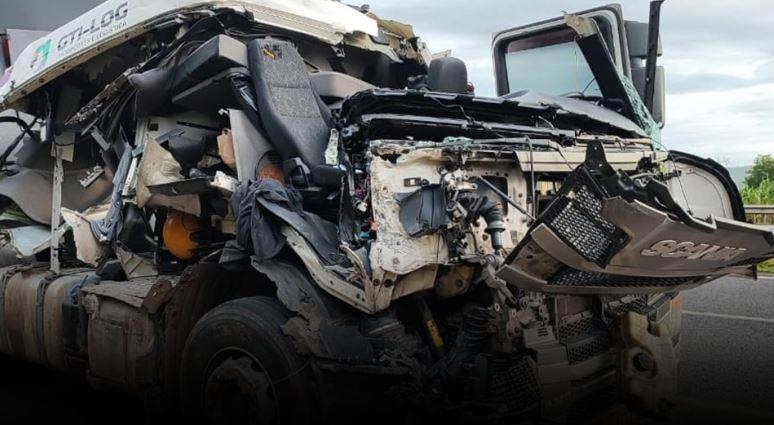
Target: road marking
766, 277
728, 316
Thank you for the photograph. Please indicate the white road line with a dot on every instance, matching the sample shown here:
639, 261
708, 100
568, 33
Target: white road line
765, 277
728, 316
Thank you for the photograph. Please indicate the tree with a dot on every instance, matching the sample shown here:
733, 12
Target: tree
762, 169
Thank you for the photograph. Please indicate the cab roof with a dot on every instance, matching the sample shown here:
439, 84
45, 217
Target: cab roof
116, 21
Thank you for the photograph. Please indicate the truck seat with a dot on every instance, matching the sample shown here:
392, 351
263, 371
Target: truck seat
296, 120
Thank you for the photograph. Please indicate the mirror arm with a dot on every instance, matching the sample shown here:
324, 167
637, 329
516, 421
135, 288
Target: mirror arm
650, 70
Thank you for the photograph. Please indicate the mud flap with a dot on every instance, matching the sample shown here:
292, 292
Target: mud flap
607, 234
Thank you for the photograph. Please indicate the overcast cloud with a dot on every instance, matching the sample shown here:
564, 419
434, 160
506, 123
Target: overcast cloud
719, 59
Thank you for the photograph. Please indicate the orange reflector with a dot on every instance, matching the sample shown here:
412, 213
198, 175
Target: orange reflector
677, 302
178, 231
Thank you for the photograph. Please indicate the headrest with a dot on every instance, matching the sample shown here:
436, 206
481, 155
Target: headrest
448, 75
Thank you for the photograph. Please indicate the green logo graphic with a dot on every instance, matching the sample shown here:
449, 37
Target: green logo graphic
41, 56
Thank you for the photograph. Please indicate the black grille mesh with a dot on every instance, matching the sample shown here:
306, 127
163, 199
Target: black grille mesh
637, 305
576, 217
579, 230
588, 348
579, 327
591, 202
576, 278
585, 337
514, 384
749, 261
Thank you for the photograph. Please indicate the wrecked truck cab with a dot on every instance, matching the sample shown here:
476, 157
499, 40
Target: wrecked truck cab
293, 197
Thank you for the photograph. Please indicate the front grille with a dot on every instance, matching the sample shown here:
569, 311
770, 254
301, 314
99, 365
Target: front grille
592, 202
635, 304
576, 217
579, 327
749, 262
588, 348
579, 230
575, 278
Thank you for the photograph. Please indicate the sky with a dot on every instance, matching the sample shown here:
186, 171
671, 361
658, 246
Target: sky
718, 55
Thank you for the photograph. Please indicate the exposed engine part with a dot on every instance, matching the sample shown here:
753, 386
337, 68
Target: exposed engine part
446, 213
179, 234
475, 330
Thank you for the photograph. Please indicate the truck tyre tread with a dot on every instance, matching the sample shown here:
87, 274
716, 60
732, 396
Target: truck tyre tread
246, 328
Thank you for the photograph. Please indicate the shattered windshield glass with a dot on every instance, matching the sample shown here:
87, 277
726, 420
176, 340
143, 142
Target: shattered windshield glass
550, 63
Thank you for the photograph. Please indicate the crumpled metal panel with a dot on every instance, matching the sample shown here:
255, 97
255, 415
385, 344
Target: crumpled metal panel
88, 248
579, 107
158, 166
132, 292
31, 190
26, 241
75, 43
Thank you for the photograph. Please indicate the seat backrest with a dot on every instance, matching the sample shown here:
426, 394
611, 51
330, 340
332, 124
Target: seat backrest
296, 121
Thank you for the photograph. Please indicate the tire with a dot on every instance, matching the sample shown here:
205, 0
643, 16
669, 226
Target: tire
239, 368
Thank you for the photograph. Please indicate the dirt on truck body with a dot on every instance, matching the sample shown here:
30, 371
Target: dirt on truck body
260, 211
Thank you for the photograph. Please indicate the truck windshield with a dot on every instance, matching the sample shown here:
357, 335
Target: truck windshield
550, 63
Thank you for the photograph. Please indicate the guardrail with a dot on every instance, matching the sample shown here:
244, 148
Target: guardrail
760, 214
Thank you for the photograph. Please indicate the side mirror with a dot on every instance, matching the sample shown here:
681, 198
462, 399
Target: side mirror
637, 38
659, 92
659, 97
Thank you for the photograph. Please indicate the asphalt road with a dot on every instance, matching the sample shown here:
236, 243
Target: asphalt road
727, 368
727, 350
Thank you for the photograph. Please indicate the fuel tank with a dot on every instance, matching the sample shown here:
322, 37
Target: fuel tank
31, 300
72, 321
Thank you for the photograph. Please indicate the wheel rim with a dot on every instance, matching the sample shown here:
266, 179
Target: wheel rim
239, 391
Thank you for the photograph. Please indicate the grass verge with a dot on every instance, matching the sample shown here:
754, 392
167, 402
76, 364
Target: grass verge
767, 267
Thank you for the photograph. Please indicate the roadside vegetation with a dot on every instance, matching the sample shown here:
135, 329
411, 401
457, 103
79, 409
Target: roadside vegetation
762, 194
759, 190
759, 184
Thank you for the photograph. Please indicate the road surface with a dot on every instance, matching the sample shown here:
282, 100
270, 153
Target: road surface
727, 350
727, 372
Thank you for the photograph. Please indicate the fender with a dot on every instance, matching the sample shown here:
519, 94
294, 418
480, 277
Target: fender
322, 327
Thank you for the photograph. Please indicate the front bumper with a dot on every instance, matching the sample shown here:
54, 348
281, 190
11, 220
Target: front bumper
603, 234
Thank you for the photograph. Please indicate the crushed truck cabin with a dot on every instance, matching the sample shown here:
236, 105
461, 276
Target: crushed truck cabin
262, 211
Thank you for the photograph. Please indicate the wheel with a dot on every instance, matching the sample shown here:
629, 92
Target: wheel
239, 368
